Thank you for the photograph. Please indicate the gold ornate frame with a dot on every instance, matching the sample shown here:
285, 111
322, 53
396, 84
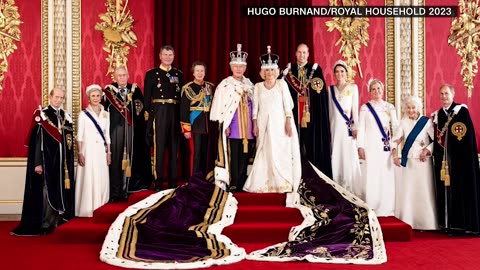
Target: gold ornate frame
390, 58
76, 70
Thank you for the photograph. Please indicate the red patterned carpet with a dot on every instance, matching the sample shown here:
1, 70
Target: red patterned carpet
261, 221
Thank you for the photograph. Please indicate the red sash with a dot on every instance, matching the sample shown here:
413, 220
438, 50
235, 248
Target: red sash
117, 104
39, 118
294, 83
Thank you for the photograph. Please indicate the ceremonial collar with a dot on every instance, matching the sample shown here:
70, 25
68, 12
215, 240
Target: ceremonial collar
167, 69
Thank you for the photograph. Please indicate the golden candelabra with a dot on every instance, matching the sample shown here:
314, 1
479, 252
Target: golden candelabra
464, 36
353, 33
116, 25
9, 33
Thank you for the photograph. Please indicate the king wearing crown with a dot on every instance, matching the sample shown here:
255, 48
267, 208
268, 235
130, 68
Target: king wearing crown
232, 108
307, 87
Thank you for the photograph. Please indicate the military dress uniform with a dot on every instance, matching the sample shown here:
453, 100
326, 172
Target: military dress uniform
194, 117
162, 104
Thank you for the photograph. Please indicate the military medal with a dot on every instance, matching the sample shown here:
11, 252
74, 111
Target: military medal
168, 75
158, 83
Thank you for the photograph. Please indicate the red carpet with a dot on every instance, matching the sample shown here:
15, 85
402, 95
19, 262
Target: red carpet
261, 218
426, 251
76, 244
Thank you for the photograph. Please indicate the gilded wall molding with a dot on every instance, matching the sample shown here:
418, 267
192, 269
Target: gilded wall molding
353, 33
404, 56
117, 29
465, 38
61, 52
9, 34
76, 65
45, 60
60, 46
390, 56
420, 73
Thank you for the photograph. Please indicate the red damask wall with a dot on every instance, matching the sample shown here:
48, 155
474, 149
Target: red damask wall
443, 66
442, 62
22, 87
372, 57
140, 59
22, 84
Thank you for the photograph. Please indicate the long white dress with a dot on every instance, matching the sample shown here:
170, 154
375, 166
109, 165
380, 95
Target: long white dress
415, 195
277, 164
378, 170
92, 188
345, 161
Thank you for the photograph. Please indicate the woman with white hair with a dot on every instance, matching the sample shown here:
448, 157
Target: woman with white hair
343, 108
92, 180
415, 197
377, 122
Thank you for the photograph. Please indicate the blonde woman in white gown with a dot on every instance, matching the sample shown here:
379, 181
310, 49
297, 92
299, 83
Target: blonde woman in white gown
277, 164
415, 195
92, 188
373, 141
343, 107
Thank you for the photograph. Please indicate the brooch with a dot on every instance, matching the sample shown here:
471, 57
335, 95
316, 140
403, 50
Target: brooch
459, 129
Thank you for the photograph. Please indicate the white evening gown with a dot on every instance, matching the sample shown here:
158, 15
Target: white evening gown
92, 188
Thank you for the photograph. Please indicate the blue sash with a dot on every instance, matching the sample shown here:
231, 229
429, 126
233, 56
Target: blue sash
411, 138
195, 114
386, 137
97, 126
348, 121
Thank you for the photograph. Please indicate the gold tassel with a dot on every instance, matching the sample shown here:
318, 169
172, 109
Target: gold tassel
304, 122
447, 175
447, 180
307, 117
128, 171
443, 171
124, 160
67, 179
245, 145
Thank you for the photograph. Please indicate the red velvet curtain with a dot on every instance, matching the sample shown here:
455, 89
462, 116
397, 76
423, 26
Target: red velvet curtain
208, 30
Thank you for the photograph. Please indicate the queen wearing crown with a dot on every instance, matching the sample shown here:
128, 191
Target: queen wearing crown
232, 108
277, 161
